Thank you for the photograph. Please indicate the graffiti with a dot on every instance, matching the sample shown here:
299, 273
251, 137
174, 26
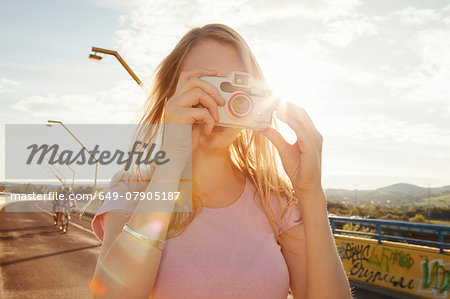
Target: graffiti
360, 252
391, 257
435, 278
404, 268
372, 276
354, 252
341, 250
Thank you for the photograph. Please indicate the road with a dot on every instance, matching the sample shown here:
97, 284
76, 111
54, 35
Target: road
38, 261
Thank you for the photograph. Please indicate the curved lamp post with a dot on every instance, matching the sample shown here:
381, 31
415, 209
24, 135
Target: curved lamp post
63, 182
95, 57
71, 169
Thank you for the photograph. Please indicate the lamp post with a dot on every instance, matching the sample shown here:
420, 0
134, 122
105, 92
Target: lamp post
82, 145
71, 169
95, 57
62, 182
59, 172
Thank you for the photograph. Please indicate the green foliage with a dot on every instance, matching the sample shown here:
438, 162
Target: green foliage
418, 218
393, 196
358, 228
29, 188
399, 213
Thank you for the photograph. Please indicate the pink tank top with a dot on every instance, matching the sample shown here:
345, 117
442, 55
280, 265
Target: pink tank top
228, 252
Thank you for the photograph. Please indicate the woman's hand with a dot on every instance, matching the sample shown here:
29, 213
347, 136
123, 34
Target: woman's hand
302, 160
180, 110
191, 91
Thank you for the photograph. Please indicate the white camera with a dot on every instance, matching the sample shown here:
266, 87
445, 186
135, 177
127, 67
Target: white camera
246, 105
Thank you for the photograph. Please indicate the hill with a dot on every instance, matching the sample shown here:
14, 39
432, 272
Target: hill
392, 195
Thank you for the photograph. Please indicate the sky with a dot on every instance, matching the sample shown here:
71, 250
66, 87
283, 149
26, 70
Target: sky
372, 75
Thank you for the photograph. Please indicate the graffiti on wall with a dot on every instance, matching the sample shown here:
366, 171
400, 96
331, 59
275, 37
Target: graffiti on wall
407, 270
435, 278
389, 257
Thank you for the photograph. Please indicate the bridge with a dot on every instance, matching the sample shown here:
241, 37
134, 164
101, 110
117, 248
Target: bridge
388, 256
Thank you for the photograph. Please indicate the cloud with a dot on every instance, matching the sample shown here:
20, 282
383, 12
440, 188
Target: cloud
118, 4
317, 30
337, 58
151, 28
428, 80
117, 105
340, 33
414, 62
446, 111
416, 16
6, 85
388, 129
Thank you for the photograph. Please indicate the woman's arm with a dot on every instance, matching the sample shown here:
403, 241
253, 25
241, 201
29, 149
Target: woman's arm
315, 268
302, 162
295, 257
127, 266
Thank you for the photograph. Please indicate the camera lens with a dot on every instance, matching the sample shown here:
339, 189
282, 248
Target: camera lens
240, 105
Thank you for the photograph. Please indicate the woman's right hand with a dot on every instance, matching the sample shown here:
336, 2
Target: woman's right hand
181, 111
191, 91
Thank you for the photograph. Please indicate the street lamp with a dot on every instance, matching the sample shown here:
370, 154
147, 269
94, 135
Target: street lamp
94, 57
82, 145
97, 58
59, 172
48, 168
71, 169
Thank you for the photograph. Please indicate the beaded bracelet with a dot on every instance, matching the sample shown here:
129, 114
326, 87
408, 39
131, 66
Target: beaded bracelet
153, 242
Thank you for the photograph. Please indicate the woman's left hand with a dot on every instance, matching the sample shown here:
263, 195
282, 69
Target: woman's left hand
302, 160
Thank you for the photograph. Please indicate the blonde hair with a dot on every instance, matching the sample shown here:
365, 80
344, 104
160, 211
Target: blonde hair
251, 153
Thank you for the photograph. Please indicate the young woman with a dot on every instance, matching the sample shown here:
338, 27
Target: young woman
254, 230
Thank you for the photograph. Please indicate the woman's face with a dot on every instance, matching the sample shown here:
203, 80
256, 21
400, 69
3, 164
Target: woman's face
223, 58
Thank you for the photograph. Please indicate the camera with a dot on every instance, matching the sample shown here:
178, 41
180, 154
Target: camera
246, 105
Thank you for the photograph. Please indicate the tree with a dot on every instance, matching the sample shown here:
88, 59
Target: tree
418, 218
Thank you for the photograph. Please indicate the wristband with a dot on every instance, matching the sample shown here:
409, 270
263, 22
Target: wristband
153, 242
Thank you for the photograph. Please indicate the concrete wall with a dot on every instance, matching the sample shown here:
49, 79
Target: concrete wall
410, 269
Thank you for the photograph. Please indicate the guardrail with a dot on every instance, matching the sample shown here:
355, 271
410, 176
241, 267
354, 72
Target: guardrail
379, 224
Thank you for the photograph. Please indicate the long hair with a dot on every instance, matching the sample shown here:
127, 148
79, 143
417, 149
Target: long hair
251, 153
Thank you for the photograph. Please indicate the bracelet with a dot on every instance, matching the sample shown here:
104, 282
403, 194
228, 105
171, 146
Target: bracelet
153, 242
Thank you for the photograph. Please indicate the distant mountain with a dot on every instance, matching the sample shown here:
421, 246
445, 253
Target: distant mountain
396, 194
403, 188
410, 188
443, 189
